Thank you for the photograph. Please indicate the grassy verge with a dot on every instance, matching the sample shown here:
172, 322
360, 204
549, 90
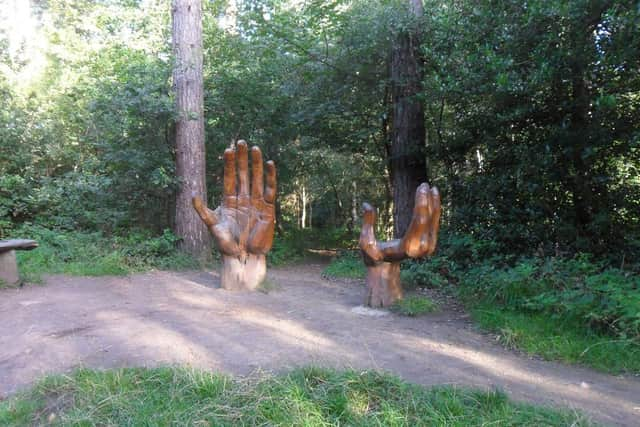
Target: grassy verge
572, 310
553, 339
310, 397
414, 305
93, 254
348, 265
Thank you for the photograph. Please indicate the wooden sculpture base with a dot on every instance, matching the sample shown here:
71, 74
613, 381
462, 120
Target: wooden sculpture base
383, 284
243, 276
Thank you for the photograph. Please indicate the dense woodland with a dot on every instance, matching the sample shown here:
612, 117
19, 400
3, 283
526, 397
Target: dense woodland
525, 115
531, 114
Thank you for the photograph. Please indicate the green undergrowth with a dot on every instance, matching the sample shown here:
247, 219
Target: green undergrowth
414, 305
308, 396
296, 246
347, 264
575, 309
555, 339
94, 254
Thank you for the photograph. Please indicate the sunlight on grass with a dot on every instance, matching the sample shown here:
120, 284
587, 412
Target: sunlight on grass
309, 396
93, 254
414, 305
554, 339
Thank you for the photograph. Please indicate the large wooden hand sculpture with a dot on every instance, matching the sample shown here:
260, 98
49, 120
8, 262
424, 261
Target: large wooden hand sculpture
383, 258
243, 225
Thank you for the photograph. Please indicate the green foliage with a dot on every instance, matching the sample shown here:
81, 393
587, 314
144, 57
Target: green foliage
423, 274
559, 339
94, 254
297, 245
531, 129
572, 290
308, 396
347, 264
414, 305
531, 117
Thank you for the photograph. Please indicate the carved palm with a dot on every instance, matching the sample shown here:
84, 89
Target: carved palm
420, 238
244, 222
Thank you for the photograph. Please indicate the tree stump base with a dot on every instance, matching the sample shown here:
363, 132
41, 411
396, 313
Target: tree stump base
9, 269
243, 276
9, 274
383, 284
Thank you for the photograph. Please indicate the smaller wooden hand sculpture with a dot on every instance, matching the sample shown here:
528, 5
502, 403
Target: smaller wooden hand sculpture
383, 258
243, 226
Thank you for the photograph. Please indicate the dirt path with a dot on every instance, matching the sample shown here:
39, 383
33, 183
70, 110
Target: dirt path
182, 318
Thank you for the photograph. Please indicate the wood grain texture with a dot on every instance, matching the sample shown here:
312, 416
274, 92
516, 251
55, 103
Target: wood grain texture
243, 226
382, 259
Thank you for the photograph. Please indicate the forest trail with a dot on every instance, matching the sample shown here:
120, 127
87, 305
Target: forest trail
162, 318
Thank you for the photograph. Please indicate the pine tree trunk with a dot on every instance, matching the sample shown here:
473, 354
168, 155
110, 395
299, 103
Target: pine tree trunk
190, 154
407, 157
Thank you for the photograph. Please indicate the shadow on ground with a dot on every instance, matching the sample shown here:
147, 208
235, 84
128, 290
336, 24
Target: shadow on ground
165, 318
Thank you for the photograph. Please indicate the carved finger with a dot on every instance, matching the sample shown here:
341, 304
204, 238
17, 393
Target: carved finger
416, 237
368, 242
257, 180
225, 240
434, 220
229, 184
243, 169
270, 190
206, 214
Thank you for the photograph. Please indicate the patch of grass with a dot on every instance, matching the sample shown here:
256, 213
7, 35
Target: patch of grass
308, 396
348, 264
414, 305
93, 254
554, 339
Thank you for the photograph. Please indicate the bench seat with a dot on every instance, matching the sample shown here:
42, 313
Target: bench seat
9, 274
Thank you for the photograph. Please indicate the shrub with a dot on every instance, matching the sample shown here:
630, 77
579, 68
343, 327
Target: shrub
347, 264
83, 253
424, 273
575, 290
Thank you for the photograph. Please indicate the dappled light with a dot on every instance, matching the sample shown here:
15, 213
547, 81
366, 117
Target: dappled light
279, 190
186, 319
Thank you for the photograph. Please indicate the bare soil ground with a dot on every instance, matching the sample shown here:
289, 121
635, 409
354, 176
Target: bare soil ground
162, 318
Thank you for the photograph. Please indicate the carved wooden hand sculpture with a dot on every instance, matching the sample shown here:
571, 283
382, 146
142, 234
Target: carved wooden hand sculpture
383, 258
244, 224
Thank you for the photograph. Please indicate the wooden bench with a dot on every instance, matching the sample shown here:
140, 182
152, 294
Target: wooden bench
8, 265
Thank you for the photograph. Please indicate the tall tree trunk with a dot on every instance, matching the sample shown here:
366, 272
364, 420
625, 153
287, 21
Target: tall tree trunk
407, 162
190, 155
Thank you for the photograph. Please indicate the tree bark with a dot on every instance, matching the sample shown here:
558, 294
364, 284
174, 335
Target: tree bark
407, 163
190, 151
